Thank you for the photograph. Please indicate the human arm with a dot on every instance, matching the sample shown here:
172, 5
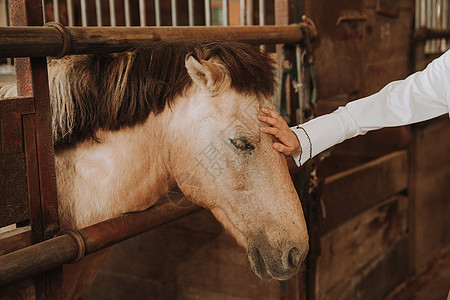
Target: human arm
421, 96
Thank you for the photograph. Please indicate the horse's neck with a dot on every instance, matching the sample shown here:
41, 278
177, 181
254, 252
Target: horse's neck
125, 172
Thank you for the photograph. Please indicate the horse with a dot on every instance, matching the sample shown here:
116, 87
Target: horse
127, 127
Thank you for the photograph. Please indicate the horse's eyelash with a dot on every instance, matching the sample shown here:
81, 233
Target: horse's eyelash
242, 144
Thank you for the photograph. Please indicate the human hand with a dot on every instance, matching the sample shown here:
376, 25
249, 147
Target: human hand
288, 142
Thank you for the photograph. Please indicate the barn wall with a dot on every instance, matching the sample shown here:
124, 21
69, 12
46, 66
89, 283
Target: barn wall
355, 259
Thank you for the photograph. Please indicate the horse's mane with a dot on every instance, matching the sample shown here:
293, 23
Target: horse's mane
112, 91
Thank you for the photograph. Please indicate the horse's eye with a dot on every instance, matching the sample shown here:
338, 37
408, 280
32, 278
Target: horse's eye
242, 144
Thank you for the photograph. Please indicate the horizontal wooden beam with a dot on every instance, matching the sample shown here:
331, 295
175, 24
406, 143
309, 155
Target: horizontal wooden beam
351, 192
34, 41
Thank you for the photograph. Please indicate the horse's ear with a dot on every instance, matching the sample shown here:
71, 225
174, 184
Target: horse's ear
207, 74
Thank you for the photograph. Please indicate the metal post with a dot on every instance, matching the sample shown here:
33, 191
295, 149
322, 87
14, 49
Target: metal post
127, 13
262, 10
242, 6
48, 41
32, 81
55, 10
70, 13
84, 21
157, 13
225, 12
208, 12
142, 15
112, 12
191, 12
249, 12
98, 11
174, 12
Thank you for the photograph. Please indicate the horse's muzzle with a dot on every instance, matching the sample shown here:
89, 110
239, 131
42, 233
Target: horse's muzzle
270, 263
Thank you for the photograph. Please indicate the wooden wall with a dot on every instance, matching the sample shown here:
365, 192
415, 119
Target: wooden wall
399, 235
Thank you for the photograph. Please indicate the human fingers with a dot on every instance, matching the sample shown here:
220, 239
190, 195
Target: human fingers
286, 150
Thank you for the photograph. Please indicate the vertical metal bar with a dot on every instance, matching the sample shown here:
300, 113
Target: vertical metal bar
112, 12
262, 10
208, 12
249, 12
55, 10
423, 12
174, 12
32, 81
83, 13
242, 6
191, 12
225, 12
98, 11
70, 12
126, 3
4, 15
142, 15
157, 13
418, 13
439, 23
43, 10
444, 23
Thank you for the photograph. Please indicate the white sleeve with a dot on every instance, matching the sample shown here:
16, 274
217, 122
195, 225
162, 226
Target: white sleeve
423, 95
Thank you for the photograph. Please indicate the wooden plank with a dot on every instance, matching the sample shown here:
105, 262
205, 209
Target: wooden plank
430, 189
15, 239
351, 253
351, 192
376, 279
338, 49
14, 206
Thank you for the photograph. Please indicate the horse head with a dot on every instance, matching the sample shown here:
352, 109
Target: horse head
221, 161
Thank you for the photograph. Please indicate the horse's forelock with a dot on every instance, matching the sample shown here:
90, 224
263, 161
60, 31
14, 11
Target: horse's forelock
111, 91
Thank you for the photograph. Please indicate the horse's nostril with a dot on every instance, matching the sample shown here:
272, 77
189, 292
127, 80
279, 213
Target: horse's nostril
294, 257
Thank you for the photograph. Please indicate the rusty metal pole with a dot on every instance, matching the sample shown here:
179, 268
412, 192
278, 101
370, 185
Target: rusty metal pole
32, 81
58, 40
73, 245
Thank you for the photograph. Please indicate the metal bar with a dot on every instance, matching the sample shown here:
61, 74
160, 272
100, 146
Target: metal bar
262, 10
208, 12
126, 4
424, 34
70, 13
48, 41
174, 12
249, 12
43, 10
32, 81
112, 12
142, 15
4, 16
63, 249
225, 12
157, 13
417, 16
242, 6
98, 12
84, 21
55, 10
191, 12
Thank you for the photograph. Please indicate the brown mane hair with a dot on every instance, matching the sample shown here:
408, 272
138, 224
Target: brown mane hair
111, 91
